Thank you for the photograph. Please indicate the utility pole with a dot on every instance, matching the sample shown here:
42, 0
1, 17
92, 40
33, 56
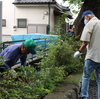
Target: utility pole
0, 21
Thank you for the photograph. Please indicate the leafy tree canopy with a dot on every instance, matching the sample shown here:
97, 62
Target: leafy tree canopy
79, 2
73, 4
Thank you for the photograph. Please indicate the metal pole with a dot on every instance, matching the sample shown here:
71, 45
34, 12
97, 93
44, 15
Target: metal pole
0, 25
0, 21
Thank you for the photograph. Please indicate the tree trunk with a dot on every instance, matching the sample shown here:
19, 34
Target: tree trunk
93, 5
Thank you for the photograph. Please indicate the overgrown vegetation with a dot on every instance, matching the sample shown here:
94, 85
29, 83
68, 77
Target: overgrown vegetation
54, 67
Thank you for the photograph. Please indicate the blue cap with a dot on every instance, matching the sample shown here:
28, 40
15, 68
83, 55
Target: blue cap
84, 14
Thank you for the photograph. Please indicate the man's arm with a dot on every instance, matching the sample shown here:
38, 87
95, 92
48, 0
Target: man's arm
5, 59
83, 46
79, 52
23, 60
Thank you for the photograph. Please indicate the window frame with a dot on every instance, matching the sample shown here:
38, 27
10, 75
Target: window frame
22, 26
4, 24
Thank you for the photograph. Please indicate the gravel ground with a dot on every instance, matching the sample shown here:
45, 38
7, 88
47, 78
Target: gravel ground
93, 90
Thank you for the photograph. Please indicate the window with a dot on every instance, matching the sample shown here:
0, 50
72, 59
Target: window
22, 23
3, 22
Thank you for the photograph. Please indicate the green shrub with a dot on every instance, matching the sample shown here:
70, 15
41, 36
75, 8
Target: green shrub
60, 54
54, 67
24, 86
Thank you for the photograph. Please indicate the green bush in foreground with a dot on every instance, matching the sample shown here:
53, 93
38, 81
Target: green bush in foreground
60, 54
54, 67
19, 88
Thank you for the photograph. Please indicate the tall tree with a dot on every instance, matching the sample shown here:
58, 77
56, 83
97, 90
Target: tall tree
93, 5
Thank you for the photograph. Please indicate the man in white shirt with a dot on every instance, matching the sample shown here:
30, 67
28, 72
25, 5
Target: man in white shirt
91, 40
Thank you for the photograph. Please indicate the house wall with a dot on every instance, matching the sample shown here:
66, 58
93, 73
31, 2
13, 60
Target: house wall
7, 13
34, 15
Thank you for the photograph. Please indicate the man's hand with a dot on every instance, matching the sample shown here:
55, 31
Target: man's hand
77, 53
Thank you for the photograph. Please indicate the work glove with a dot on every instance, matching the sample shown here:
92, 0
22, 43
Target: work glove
77, 53
12, 72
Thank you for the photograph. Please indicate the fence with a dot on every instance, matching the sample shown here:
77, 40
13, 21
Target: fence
40, 49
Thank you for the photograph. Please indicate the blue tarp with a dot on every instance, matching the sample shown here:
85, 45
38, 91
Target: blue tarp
43, 39
30, 36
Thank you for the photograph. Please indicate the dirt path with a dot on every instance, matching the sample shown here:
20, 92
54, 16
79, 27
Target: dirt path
93, 90
69, 89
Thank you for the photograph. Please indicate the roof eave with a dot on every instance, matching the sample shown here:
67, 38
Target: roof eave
34, 3
30, 3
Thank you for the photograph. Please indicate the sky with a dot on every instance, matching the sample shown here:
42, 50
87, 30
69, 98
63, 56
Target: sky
61, 2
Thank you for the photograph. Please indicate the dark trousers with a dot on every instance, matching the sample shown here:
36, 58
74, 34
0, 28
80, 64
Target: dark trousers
2, 69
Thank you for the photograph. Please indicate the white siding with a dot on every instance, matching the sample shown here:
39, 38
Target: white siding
33, 14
